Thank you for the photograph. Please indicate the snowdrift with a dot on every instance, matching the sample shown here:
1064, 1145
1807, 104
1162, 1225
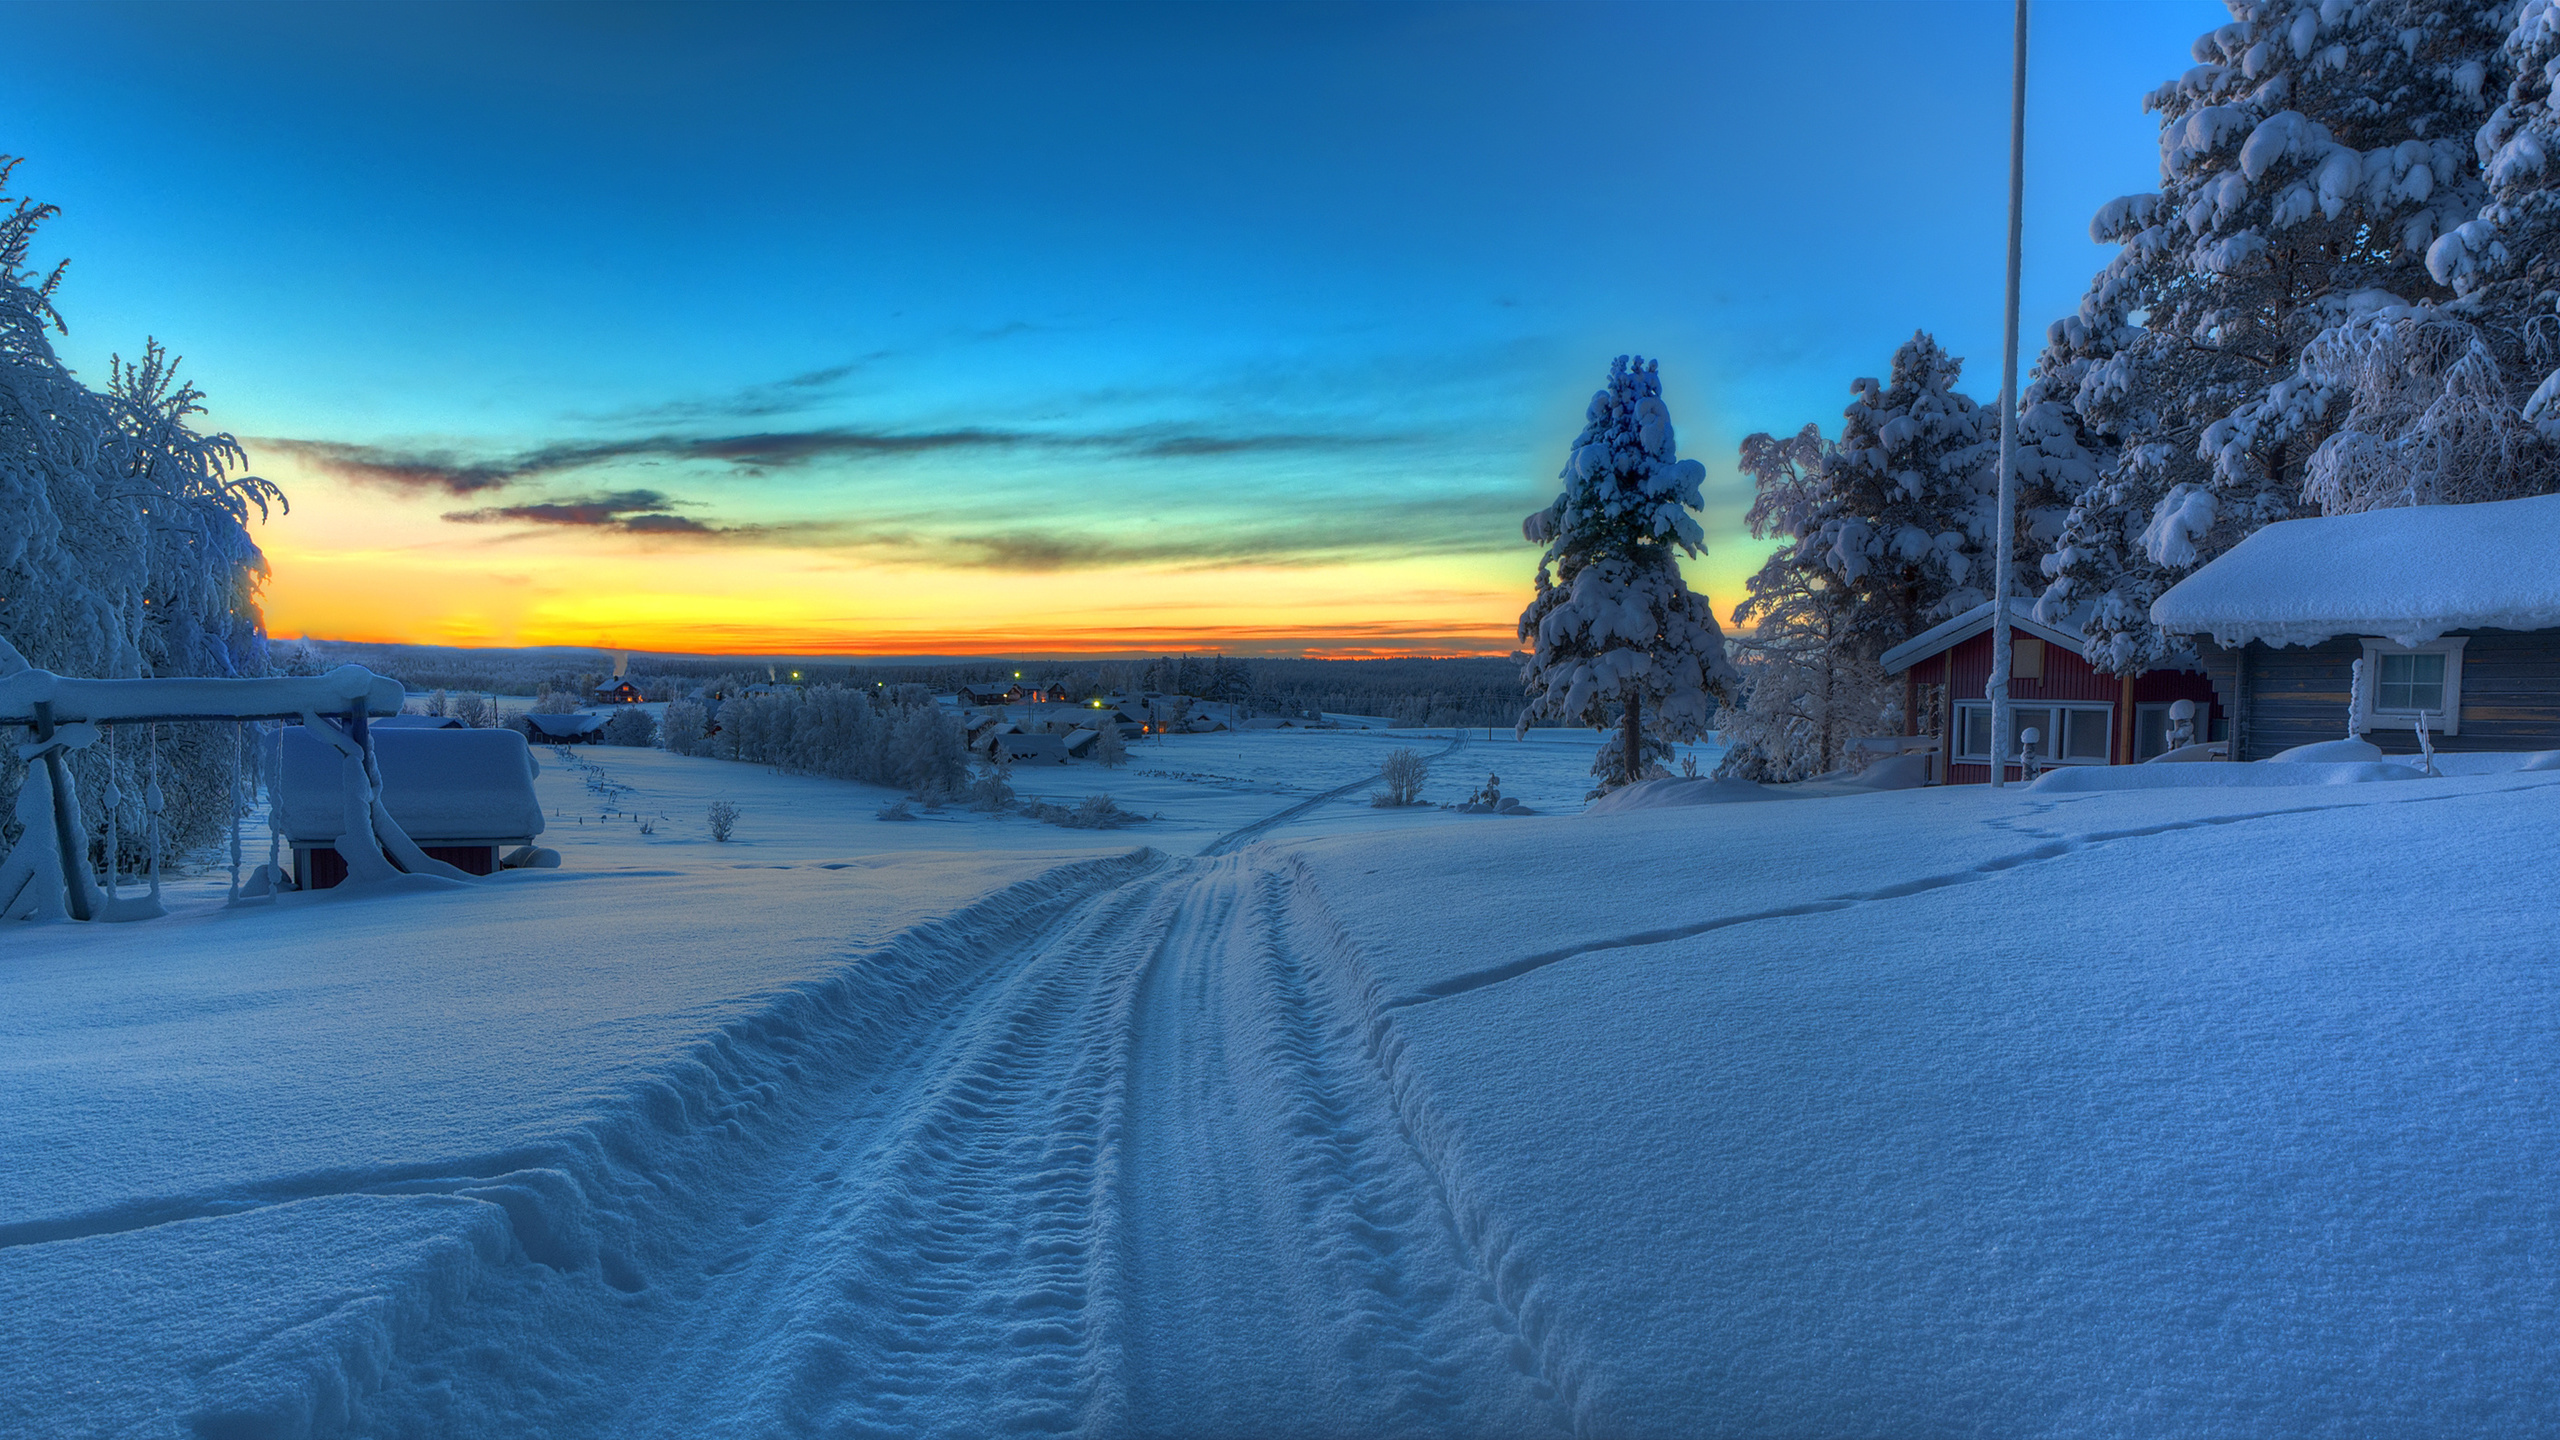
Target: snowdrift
2089, 779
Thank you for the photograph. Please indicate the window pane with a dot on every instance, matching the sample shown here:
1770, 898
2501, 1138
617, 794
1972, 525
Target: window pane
1977, 731
2426, 682
2403, 683
2089, 734
2150, 731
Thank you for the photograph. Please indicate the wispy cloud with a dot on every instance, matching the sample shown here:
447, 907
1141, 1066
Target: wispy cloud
634, 512
449, 471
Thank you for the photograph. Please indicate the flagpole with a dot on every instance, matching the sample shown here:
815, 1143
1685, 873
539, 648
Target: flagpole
2008, 543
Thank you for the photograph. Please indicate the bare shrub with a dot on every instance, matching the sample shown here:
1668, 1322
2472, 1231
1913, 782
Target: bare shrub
1404, 773
724, 820
1098, 812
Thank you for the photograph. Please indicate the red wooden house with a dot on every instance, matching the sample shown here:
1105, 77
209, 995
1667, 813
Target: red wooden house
2081, 717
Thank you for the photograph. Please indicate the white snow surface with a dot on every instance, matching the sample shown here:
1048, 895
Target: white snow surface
1901, 1113
2408, 575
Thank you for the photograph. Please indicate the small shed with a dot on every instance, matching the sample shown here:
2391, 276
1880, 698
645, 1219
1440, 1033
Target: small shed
617, 692
579, 728
2446, 614
2083, 717
465, 796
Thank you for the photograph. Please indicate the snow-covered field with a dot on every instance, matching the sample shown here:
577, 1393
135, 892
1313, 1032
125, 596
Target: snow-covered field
2207, 1110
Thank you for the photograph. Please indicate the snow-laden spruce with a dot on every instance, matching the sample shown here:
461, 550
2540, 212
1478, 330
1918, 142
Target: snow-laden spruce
1617, 637
2309, 161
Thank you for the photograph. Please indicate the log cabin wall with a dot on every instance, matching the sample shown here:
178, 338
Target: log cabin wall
2293, 695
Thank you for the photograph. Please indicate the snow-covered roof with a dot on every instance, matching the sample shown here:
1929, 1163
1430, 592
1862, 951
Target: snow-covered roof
1950, 633
566, 726
439, 784
2407, 575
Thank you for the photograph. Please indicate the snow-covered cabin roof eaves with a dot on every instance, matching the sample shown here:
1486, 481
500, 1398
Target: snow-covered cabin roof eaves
2405, 575
1948, 634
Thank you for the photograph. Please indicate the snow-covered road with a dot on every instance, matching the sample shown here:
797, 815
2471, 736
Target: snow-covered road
1115, 1156
1133, 1172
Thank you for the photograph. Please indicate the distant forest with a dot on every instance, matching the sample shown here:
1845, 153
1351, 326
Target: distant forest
1472, 691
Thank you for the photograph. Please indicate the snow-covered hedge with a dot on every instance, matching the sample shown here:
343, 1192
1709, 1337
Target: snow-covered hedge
829, 731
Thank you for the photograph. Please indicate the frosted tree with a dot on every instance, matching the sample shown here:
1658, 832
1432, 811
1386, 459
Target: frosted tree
1806, 689
2454, 402
1903, 510
2309, 160
124, 543
1616, 637
1110, 747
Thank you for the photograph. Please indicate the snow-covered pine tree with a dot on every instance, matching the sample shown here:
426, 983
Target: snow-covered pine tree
2308, 161
1617, 638
1903, 509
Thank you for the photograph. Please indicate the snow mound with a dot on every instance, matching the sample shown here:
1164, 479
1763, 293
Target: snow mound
2091, 779
2408, 575
1666, 794
2328, 752
1902, 772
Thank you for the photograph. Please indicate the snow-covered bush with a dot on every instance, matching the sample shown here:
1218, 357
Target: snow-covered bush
631, 725
547, 701
993, 789
1617, 638
722, 817
896, 810
1095, 812
474, 711
1404, 773
124, 544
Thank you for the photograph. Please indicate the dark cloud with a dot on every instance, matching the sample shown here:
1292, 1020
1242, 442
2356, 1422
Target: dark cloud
637, 512
396, 470
439, 469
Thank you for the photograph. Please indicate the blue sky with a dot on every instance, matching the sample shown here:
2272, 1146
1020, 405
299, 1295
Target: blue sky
1228, 322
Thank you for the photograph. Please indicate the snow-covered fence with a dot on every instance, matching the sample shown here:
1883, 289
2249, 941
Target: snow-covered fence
46, 873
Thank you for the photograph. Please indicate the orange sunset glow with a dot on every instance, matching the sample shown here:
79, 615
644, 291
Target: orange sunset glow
352, 562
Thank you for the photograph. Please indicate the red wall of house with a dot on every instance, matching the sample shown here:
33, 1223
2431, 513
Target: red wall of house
2066, 677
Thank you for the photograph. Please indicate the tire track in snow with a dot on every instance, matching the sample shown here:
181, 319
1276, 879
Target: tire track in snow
1285, 1258
924, 1271
2050, 850
1144, 1181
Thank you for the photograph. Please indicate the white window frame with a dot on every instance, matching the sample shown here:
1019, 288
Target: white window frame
2369, 712
2044, 755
